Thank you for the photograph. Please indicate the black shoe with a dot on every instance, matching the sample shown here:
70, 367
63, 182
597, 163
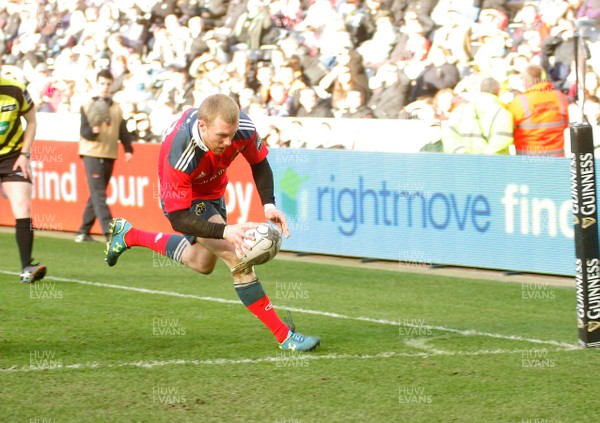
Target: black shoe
32, 273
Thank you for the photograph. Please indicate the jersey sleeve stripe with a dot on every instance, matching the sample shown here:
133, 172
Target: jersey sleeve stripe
247, 123
186, 157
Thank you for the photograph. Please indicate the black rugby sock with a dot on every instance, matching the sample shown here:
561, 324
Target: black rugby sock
24, 240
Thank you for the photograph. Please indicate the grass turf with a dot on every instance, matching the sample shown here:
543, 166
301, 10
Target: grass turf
396, 346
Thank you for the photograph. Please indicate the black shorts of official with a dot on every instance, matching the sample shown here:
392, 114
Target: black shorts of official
7, 174
205, 209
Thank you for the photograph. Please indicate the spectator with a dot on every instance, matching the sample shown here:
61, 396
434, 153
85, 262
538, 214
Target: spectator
417, 9
540, 133
493, 14
528, 19
198, 45
390, 96
341, 87
324, 138
465, 8
79, 38
493, 43
286, 14
439, 74
212, 12
295, 135
354, 15
290, 76
120, 71
444, 103
40, 78
412, 47
51, 98
355, 106
480, 126
319, 14
558, 54
239, 68
421, 109
176, 90
101, 129
591, 104
348, 66
279, 103
310, 105
376, 51
263, 80
344, 82
67, 102
551, 11
141, 128
135, 29
252, 25
588, 9
454, 34
272, 138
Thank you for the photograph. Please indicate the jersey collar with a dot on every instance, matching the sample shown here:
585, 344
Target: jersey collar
196, 138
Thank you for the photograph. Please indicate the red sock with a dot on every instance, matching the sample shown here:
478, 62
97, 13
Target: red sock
170, 245
263, 309
156, 241
254, 298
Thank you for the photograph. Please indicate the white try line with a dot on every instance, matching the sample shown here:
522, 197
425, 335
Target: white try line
467, 332
282, 359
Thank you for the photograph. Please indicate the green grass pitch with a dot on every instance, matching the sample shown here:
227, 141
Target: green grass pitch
151, 341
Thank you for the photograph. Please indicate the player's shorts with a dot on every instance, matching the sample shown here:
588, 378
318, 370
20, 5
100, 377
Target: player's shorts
206, 209
7, 174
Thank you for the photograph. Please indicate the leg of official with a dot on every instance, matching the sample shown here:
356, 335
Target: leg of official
98, 179
91, 165
19, 196
89, 217
105, 216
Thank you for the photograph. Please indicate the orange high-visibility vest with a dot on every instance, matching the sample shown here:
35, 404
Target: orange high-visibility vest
541, 116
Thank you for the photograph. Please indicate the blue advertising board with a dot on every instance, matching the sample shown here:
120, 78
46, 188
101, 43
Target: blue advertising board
498, 212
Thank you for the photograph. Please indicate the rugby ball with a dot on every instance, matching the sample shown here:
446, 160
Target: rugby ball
266, 244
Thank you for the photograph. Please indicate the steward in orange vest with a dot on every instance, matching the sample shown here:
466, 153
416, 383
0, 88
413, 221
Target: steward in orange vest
540, 116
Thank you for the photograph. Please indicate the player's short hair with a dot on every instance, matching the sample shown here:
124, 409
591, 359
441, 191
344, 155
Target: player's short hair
219, 105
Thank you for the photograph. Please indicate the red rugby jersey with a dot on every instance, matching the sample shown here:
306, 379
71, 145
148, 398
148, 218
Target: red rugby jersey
188, 170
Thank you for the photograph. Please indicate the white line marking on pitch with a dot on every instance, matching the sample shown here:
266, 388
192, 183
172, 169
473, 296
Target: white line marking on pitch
283, 358
467, 332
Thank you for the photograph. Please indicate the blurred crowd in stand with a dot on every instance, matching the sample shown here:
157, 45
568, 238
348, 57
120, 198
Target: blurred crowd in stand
385, 59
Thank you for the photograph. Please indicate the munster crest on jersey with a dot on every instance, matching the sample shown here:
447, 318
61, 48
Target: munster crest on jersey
200, 208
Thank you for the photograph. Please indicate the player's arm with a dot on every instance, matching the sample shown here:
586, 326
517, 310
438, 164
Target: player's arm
22, 161
256, 155
263, 179
176, 196
186, 222
29, 134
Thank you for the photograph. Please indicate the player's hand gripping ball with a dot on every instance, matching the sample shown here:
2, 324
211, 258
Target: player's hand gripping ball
266, 244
